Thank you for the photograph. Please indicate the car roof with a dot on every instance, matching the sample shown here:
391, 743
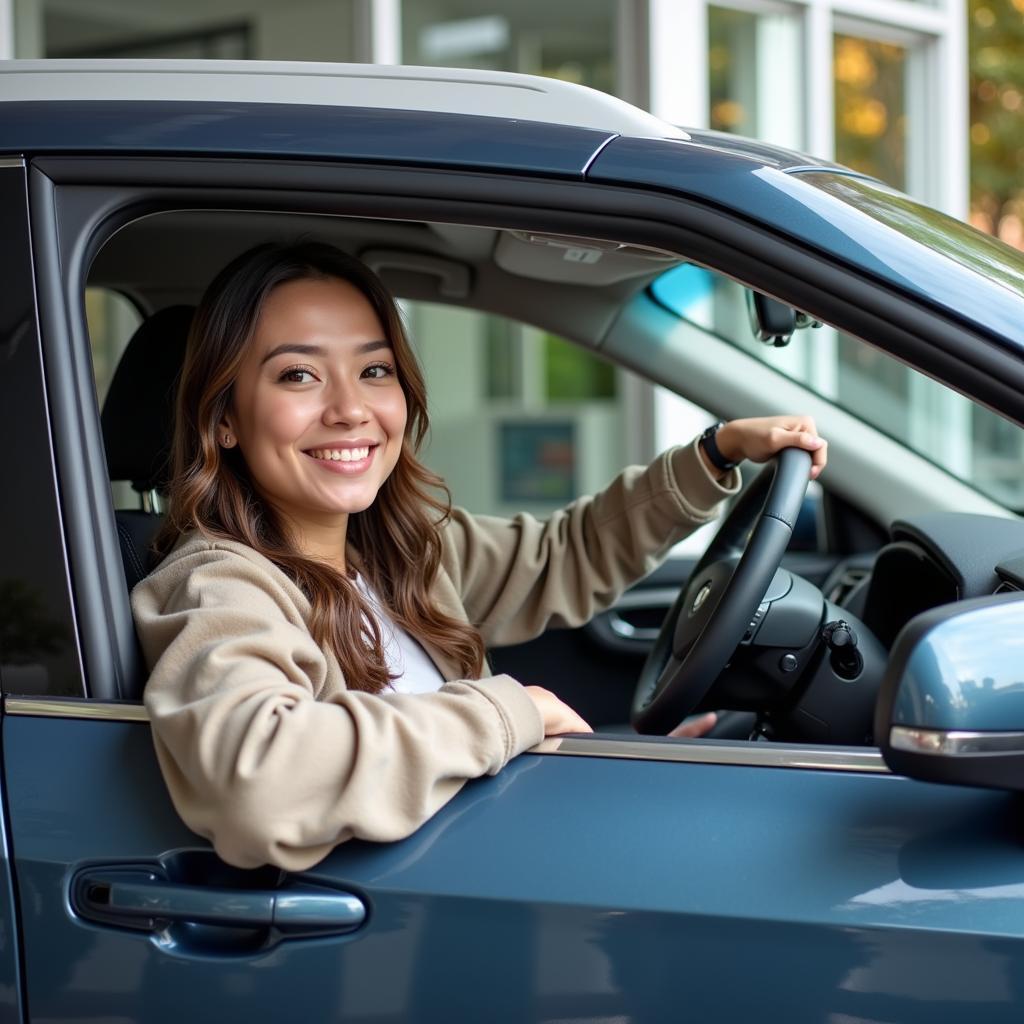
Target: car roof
373, 86
279, 86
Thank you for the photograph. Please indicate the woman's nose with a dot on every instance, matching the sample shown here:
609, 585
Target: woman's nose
345, 405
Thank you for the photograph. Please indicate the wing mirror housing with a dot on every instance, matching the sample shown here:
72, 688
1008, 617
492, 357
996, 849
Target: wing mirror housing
951, 705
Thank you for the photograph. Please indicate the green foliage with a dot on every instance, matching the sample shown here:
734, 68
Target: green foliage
573, 374
996, 34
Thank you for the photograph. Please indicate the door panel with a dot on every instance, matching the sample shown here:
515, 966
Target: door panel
564, 888
10, 946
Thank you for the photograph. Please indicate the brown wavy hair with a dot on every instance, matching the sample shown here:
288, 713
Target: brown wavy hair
398, 538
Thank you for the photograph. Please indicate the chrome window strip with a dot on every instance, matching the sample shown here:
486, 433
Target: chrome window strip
51, 707
955, 742
765, 755
12, 161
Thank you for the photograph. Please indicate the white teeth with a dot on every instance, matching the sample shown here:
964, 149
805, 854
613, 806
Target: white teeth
341, 454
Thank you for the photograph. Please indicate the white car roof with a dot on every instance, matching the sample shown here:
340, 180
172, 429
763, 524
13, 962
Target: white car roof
391, 87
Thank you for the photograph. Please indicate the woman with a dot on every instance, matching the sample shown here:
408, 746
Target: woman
316, 630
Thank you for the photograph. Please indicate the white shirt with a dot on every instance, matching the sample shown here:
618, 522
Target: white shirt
406, 660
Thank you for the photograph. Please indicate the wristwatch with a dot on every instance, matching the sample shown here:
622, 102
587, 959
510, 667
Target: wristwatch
710, 445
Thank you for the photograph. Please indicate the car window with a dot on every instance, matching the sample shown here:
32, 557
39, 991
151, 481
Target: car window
969, 441
112, 319
521, 419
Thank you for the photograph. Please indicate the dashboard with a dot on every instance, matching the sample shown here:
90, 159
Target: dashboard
936, 559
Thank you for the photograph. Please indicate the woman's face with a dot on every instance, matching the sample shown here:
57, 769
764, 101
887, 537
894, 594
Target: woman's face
317, 409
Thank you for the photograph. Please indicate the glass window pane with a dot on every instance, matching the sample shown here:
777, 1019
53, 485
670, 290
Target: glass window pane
755, 75
222, 29
519, 418
572, 40
112, 320
871, 108
731, 62
947, 428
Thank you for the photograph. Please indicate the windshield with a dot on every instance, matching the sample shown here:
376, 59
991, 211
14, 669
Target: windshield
967, 440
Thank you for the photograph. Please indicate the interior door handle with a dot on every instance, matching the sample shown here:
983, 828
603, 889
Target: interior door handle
613, 631
140, 898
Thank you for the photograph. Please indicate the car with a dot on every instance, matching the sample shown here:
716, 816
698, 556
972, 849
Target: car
848, 846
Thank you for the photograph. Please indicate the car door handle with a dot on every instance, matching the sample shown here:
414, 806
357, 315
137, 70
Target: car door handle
614, 632
140, 898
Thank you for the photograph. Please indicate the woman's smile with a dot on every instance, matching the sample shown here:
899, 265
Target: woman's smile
352, 459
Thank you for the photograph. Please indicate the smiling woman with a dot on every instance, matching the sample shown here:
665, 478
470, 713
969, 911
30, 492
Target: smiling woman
316, 629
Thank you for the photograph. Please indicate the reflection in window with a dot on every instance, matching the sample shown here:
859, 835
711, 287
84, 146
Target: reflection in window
572, 40
731, 63
870, 108
754, 75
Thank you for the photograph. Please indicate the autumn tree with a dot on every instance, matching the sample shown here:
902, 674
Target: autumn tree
996, 40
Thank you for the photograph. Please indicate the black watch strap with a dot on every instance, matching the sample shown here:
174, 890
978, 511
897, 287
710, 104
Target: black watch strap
710, 446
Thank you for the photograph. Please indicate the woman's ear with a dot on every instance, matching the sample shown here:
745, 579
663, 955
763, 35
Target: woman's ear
226, 436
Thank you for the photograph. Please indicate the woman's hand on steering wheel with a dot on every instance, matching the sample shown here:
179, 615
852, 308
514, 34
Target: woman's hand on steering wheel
760, 438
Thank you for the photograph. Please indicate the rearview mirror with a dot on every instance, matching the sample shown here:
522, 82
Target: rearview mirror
774, 322
951, 706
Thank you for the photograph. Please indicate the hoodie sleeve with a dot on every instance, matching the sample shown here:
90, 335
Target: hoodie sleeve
516, 577
260, 766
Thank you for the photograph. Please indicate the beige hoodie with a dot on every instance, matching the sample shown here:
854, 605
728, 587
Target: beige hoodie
267, 753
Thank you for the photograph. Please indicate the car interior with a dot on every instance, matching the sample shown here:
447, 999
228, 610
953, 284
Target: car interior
887, 533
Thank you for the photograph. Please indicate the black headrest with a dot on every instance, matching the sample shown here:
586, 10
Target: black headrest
138, 414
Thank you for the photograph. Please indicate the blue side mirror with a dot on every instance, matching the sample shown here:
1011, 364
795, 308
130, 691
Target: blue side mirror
951, 706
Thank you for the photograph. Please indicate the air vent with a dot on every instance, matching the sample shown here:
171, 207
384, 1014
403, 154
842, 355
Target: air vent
846, 584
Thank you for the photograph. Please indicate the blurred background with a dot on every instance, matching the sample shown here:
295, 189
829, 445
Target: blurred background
927, 95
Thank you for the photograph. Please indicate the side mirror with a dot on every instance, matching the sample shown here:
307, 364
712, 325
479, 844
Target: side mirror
951, 706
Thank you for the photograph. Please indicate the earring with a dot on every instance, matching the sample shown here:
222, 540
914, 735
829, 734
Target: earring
227, 441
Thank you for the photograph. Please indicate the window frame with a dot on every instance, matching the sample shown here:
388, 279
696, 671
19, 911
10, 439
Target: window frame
79, 202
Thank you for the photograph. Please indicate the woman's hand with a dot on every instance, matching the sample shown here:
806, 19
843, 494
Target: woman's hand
761, 438
558, 717
695, 726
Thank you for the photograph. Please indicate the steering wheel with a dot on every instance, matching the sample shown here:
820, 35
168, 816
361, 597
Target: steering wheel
715, 609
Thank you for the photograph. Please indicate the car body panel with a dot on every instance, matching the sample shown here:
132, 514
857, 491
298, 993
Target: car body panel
786, 203
384, 87
11, 993
444, 140
709, 884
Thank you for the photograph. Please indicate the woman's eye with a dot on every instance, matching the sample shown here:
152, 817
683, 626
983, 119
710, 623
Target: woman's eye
297, 375
378, 371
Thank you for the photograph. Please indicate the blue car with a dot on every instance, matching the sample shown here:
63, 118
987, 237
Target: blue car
584, 283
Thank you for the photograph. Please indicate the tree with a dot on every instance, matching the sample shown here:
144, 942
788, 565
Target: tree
996, 41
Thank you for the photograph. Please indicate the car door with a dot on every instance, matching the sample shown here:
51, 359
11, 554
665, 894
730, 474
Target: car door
596, 878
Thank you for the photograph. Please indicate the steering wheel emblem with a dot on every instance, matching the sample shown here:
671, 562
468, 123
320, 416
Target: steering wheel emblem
702, 596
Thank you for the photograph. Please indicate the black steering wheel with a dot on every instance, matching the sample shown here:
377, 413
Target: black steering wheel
717, 606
